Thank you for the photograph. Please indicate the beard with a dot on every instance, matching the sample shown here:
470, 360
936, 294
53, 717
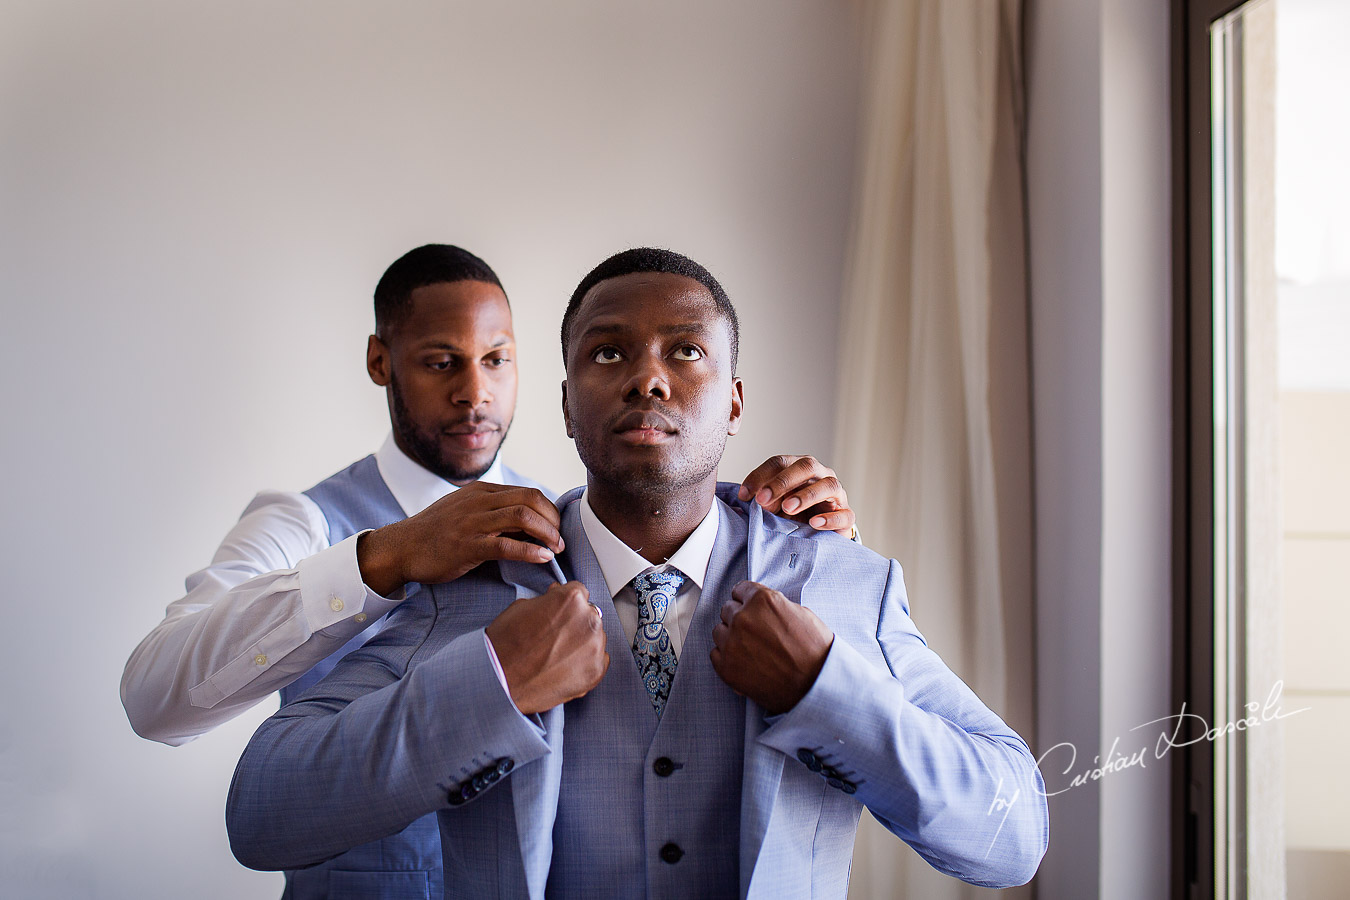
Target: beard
424, 447
655, 477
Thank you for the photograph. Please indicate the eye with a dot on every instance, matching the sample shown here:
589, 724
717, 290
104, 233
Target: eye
606, 355
440, 365
688, 353
496, 362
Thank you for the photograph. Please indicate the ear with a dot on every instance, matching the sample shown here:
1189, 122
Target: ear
737, 406
377, 361
567, 416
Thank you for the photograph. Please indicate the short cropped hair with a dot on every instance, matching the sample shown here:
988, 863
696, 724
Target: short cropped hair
651, 259
428, 264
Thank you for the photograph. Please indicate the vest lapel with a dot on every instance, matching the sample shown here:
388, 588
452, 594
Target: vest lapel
584, 567
725, 569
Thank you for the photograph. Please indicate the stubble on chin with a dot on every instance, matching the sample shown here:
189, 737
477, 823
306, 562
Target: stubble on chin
424, 448
642, 480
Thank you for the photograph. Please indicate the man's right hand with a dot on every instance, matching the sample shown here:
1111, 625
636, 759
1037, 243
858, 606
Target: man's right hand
551, 647
476, 523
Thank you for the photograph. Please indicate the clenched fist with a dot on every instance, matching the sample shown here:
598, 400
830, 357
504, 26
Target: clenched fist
476, 523
768, 648
551, 647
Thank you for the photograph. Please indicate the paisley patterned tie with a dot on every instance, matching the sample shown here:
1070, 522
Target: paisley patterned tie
651, 644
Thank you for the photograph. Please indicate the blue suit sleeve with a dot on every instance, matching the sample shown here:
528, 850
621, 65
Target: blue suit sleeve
374, 746
927, 757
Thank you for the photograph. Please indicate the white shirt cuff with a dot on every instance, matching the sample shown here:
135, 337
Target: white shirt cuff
332, 591
501, 674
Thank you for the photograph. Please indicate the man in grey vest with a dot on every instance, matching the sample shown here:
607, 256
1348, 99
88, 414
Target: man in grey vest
694, 699
302, 579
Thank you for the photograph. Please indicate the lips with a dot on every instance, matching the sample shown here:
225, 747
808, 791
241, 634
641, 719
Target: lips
471, 435
643, 427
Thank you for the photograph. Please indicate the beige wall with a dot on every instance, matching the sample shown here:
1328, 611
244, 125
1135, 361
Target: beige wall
1315, 556
195, 203
1099, 232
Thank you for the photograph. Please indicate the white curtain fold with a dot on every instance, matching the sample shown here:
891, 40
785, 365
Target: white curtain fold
933, 417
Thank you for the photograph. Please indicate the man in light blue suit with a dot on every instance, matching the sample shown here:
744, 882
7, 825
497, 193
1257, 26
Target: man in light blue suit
694, 699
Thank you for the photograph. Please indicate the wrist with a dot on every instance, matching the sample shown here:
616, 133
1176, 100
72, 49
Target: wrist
809, 674
379, 563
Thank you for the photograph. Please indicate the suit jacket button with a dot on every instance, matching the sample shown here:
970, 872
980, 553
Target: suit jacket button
480, 782
849, 788
808, 759
671, 853
663, 767
828, 772
466, 792
505, 765
835, 783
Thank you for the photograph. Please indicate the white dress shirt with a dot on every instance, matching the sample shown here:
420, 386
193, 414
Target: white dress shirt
277, 599
620, 564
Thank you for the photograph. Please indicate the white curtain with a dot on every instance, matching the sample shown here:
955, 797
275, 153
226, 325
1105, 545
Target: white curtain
934, 414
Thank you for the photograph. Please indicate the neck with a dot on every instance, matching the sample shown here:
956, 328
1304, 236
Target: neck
655, 525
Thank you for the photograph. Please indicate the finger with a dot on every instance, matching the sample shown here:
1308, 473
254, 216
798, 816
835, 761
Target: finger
747, 592
531, 498
840, 520
527, 520
803, 471
756, 480
826, 490
502, 547
483, 487
729, 610
484, 493
720, 634
491, 497
571, 591
743, 591
535, 499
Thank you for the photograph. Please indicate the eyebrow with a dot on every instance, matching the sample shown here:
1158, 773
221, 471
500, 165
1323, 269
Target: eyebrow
446, 345
698, 329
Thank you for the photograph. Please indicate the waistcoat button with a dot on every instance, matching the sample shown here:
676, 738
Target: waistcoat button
663, 767
671, 853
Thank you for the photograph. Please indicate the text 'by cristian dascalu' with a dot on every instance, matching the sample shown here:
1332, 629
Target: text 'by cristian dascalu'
1178, 731
1183, 730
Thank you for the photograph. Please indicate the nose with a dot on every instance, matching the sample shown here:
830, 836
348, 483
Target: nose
472, 390
647, 379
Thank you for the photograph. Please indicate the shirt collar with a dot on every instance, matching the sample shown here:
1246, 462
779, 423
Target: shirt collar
414, 487
620, 564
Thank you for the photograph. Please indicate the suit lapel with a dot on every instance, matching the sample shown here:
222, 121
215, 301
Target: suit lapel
531, 579
534, 788
785, 564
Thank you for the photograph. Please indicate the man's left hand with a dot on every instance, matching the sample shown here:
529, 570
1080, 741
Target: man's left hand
802, 489
768, 648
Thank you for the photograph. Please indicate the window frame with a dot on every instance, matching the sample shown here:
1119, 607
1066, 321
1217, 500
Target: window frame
1193, 790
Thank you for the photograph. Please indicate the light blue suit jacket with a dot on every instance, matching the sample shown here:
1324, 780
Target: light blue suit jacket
416, 721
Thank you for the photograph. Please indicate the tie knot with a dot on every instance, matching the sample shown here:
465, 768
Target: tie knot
655, 592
